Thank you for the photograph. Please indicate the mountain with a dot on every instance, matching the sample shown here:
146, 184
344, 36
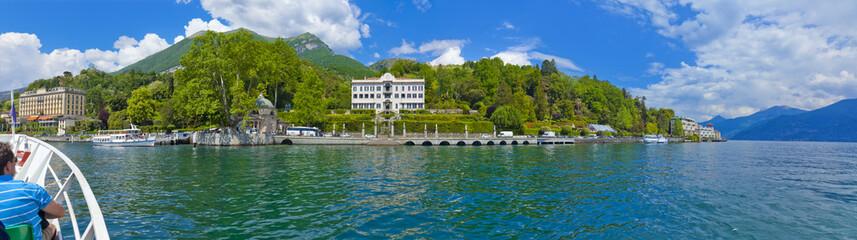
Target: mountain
5, 95
836, 123
716, 120
307, 46
730, 127
384, 63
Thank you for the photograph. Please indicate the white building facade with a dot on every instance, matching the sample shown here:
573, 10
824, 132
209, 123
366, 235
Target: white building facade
689, 125
388, 93
706, 132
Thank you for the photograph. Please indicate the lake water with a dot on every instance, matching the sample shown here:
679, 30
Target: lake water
738, 189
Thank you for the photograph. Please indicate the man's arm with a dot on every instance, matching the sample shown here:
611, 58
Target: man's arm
54, 210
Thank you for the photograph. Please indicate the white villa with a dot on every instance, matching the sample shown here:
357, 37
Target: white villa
388, 93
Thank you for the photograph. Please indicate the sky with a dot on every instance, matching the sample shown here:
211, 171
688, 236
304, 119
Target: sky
702, 58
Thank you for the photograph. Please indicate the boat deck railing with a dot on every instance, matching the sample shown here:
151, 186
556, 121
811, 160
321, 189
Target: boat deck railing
50, 168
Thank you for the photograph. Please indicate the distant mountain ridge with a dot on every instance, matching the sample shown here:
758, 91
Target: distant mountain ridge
307, 46
5, 95
730, 127
837, 122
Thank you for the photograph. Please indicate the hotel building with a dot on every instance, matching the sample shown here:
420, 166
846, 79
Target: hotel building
388, 93
54, 101
689, 125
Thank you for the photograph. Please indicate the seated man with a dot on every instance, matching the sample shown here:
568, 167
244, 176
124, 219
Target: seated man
21, 201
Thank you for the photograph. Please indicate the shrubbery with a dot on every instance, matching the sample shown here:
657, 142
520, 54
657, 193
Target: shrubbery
445, 126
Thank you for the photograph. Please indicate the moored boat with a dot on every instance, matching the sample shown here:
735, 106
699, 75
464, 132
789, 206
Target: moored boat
654, 139
123, 138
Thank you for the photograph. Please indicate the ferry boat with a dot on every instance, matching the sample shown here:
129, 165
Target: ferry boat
123, 138
654, 139
46, 166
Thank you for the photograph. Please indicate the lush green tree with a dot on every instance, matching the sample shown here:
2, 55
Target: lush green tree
567, 130
507, 117
677, 128
541, 99
117, 120
308, 100
549, 67
504, 95
168, 115
624, 120
222, 75
141, 107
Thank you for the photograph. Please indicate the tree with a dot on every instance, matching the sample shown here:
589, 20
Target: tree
223, 73
624, 120
541, 99
141, 107
104, 116
117, 120
507, 117
549, 67
677, 128
504, 95
309, 98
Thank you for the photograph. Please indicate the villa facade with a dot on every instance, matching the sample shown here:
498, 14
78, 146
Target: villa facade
388, 93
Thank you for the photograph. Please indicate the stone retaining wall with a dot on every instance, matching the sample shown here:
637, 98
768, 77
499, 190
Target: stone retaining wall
233, 139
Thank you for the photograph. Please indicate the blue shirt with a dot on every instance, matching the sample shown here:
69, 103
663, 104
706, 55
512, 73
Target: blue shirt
20, 203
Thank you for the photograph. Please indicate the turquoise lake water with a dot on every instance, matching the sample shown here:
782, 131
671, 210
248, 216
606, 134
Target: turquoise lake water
732, 190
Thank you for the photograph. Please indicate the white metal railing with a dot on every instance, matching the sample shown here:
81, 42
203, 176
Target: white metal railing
43, 163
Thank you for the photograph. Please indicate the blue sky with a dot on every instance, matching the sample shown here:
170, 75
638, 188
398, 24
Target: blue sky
728, 58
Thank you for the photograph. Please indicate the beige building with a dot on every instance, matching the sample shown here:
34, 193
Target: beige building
52, 102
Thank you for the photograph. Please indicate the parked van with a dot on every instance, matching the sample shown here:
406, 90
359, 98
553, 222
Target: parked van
507, 134
550, 134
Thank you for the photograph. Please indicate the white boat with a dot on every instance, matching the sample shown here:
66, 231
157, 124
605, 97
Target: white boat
654, 139
43, 164
123, 138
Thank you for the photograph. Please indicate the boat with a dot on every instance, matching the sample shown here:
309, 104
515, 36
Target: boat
654, 139
45, 165
123, 138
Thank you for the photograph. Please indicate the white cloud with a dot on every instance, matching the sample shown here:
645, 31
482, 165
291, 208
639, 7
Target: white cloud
195, 25
22, 60
752, 55
506, 25
447, 51
336, 22
377, 55
448, 56
439, 47
178, 38
516, 58
406, 48
522, 54
422, 5
560, 62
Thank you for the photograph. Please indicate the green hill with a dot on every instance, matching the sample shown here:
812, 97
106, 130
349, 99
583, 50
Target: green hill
384, 63
306, 45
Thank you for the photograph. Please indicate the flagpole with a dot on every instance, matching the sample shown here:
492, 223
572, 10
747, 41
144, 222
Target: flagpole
12, 113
